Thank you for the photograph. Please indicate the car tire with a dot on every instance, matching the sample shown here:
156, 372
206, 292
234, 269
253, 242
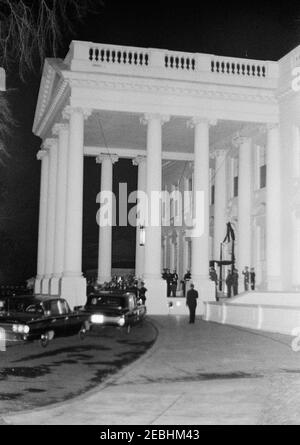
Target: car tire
44, 340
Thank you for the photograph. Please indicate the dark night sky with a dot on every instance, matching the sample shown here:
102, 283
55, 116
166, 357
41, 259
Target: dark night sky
264, 30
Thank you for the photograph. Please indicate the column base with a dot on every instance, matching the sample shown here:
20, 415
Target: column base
206, 290
46, 286
55, 287
157, 303
274, 283
73, 290
38, 285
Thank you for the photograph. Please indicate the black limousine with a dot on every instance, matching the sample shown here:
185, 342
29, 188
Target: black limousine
28, 317
114, 308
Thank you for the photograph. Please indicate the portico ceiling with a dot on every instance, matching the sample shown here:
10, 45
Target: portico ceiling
124, 130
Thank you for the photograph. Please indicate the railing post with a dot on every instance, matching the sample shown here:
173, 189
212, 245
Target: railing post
156, 58
203, 62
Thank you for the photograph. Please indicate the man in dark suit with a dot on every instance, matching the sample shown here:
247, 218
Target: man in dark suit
191, 302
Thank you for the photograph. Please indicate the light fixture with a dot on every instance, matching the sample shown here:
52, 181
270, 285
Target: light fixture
142, 235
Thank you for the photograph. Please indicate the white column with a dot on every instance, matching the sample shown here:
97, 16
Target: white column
51, 146
41, 260
244, 207
140, 161
200, 241
105, 231
273, 210
73, 285
62, 131
156, 301
220, 201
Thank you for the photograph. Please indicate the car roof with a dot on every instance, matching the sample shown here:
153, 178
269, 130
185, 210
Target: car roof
32, 298
111, 293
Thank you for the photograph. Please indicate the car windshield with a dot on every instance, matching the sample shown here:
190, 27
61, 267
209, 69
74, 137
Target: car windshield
34, 309
21, 305
107, 300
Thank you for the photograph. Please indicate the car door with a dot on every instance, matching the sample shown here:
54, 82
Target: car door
56, 320
72, 319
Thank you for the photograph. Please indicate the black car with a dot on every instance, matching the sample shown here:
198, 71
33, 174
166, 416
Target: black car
26, 318
114, 308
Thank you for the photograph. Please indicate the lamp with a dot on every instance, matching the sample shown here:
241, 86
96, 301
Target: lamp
142, 235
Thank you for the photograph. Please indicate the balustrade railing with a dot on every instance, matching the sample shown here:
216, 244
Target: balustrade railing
118, 56
180, 62
238, 67
100, 55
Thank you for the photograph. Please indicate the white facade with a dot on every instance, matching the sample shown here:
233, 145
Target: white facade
190, 122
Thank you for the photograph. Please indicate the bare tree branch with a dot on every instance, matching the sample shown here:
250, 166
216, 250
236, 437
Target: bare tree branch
7, 122
31, 28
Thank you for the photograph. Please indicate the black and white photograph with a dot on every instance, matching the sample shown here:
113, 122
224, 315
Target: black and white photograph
149, 215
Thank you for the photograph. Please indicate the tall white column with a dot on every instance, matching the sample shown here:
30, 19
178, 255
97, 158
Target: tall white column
273, 210
200, 241
157, 291
73, 285
105, 231
62, 131
220, 201
41, 260
140, 161
51, 146
244, 206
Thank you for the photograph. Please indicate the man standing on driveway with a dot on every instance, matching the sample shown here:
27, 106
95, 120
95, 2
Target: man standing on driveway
191, 302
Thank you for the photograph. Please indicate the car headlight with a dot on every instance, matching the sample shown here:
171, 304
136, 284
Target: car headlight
121, 321
97, 319
21, 329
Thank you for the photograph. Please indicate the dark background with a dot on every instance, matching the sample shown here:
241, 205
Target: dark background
259, 30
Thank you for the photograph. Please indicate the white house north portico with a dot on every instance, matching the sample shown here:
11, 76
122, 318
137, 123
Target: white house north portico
225, 127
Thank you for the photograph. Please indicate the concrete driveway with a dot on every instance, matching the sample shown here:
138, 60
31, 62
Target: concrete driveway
193, 375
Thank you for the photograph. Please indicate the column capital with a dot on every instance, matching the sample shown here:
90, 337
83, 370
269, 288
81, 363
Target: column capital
238, 140
107, 157
218, 153
154, 116
57, 128
49, 143
197, 120
269, 126
139, 160
68, 111
272, 126
41, 154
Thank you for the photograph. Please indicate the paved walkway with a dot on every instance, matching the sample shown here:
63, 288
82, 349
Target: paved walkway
195, 374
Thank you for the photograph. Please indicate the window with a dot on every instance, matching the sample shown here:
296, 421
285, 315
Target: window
212, 198
263, 176
260, 168
235, 178
235, 186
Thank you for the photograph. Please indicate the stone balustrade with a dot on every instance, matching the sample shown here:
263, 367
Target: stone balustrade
170, 64
238, 67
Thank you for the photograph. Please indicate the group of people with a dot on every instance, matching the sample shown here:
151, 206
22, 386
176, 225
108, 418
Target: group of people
127, 283
172, 281
232, 281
